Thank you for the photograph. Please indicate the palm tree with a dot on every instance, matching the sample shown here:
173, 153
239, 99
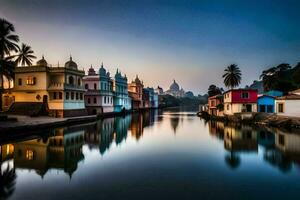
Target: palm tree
232, 76
24, 56
7, 182
8, 44
7, 39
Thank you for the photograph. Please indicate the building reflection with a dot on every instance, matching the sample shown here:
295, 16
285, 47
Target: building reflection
62, 151
280, 147
240, 138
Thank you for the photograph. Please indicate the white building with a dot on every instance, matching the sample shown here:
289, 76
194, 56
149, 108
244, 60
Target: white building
99, 95
288, 105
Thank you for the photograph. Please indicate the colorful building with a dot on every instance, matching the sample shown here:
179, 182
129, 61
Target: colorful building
99, 95
266, 101
288, 105
121, 99
135, 91
213, 104
46, 90
240, 101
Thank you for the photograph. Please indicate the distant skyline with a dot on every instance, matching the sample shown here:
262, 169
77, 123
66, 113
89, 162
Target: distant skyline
189, 41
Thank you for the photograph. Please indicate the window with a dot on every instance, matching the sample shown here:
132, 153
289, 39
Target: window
67, 95
29, 155
227, 106
89, 100
79, 82
72, 95
111, 99
30, 80
77, 96
281, 139
19, 81
81, 96
86, 86
245, 95
95, 100
60, 95
54, 95
280, 108
71, 80
104, 99
95, 86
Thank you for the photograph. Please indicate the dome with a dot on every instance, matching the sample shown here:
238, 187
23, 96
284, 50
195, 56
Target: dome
71, 64
42, 62
91, 71
102, 71
137, 80
174, 86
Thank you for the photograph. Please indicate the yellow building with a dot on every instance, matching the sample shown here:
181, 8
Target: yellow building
42, 89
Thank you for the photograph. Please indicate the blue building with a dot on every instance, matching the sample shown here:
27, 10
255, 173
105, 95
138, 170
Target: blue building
266, 102
121, 99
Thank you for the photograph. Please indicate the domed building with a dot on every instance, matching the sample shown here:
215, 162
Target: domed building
175, 90
121, 99
99, 95
135, 91
43, 89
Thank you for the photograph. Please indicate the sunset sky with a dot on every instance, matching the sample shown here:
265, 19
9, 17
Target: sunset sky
190, 41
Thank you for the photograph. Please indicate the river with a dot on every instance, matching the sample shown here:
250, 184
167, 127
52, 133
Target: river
169, 154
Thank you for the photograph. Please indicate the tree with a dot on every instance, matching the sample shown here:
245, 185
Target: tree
213, 90
278, 78
296, 74
24, 56
232, 76
8, 44
8, 41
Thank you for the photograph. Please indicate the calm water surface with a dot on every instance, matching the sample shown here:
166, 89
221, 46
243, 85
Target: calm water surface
170, 154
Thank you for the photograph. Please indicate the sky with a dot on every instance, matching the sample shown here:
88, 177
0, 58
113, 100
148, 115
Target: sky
191, 41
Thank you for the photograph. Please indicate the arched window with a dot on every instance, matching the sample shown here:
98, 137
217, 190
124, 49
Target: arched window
95, 100
95, 86
71, 80
104, 99
86, 86
79, 82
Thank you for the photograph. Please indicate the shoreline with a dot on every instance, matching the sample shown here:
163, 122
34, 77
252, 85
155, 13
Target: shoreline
261, 119
34, 124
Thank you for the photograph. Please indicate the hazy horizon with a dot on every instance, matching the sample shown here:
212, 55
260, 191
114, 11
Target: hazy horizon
189, 41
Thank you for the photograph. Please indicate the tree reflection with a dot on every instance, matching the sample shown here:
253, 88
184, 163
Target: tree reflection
232, 160
7, 182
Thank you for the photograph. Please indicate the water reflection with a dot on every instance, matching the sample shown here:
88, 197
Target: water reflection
64, 150
281, 148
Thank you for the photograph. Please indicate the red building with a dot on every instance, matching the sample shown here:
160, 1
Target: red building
213, 103
240, 101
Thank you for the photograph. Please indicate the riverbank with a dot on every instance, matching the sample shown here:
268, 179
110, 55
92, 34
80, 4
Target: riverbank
265, 119
20, 123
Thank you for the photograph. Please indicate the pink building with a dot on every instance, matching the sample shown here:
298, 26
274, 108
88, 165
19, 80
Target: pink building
213, 103
240, 101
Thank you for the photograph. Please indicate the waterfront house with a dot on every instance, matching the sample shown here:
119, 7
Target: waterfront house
135, 91
266, 102
240, 101
42, 89
99, 95
288, 105
213, 103
121, 99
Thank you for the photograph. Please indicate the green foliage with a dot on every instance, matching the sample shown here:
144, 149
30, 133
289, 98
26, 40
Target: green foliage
232, 76
282, 77
170, 101
213, 90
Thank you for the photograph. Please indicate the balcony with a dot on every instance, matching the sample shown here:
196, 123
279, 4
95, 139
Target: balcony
64, 86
